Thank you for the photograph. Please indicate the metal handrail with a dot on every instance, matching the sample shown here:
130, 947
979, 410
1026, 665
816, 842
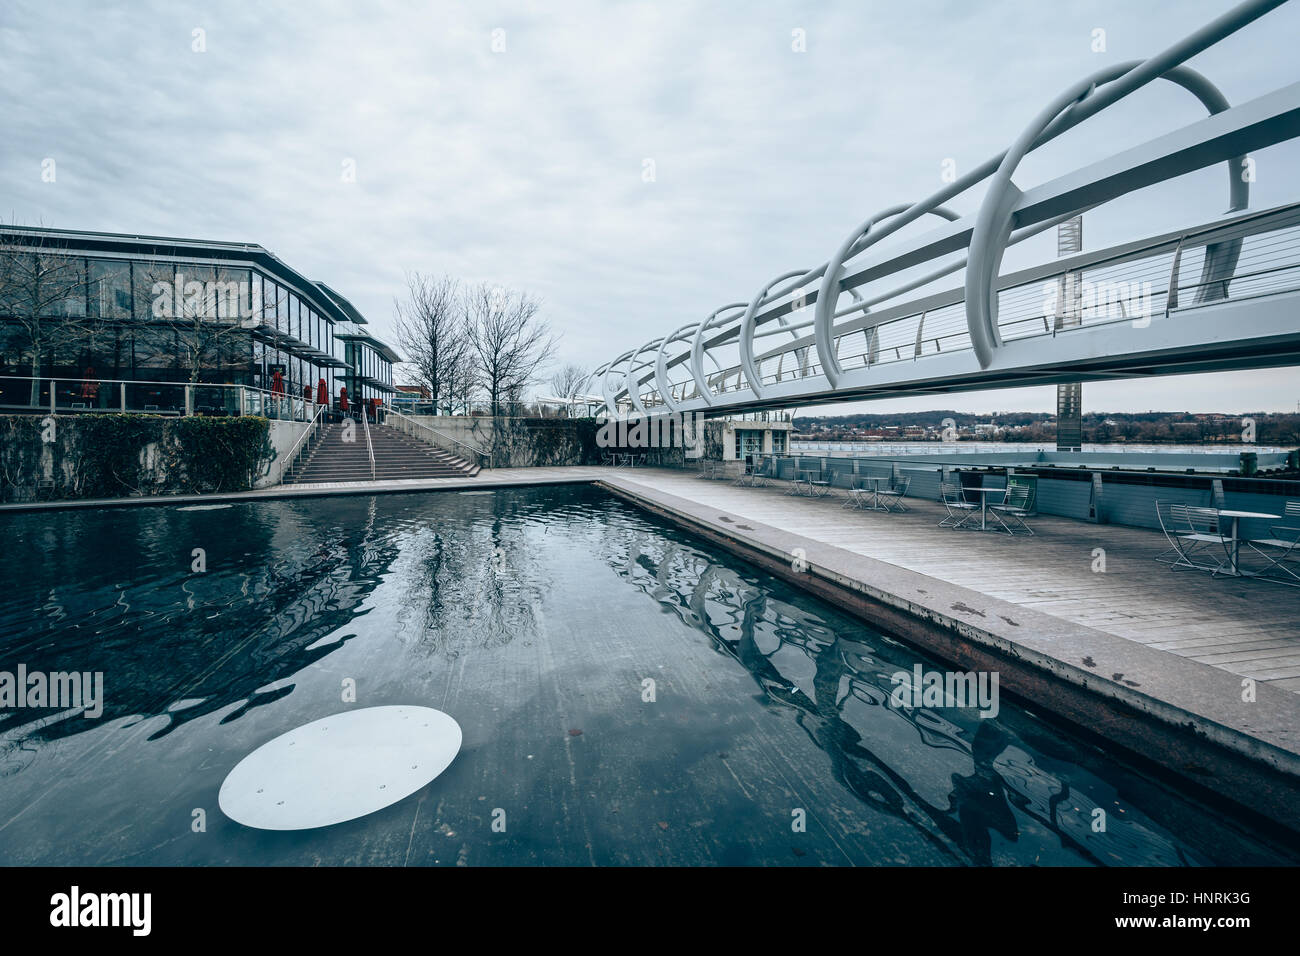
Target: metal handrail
478, 455
287, 461
370, 448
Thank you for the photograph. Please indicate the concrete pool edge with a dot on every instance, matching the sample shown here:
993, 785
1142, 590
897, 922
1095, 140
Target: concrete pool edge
488, 478
1181, 715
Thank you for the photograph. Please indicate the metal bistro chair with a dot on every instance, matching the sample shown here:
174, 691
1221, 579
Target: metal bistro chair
1017, 505
1281, 549
759, 476
846, 481
1188, 529
959, 509
892, 498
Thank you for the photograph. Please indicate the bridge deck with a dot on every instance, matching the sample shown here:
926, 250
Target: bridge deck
1250, 628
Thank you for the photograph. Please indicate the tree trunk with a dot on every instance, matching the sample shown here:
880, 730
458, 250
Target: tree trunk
36, 378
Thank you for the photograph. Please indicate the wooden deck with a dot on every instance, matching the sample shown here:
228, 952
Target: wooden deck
1247, 627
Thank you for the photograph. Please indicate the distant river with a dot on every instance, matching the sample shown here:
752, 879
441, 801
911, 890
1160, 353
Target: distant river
970, 447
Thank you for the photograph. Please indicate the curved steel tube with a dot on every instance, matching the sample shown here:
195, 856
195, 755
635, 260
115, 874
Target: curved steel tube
634, 388
829, 293
661, 367
697, 352
993, 222
747, 326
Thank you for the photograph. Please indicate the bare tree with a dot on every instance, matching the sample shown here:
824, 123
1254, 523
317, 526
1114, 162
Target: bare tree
43, 296
569, 383
431, 332
200, 306
508, 341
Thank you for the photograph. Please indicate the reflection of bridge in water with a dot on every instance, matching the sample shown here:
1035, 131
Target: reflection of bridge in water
955, 777
1213, 296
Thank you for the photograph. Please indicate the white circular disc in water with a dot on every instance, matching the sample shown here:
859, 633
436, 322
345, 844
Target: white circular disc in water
339, 768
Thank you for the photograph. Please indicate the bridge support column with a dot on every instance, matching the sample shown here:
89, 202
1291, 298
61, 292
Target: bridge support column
1069, 313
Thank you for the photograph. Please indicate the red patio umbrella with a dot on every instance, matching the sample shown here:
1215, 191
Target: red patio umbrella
343, 398
89, 387
277, 383
322, 393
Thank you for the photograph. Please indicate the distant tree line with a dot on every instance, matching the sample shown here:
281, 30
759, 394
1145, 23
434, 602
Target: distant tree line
1152, 427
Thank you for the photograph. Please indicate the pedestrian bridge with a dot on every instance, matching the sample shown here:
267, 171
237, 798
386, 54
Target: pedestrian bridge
876, 320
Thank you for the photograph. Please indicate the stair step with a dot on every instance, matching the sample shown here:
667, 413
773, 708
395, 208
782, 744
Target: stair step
397, 456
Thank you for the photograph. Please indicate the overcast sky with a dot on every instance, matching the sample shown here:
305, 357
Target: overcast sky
525, 166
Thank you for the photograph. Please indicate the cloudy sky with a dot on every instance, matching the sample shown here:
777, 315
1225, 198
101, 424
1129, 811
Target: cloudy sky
509, 142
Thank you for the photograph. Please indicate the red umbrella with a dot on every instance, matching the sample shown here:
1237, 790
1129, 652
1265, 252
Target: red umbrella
343, 398
89, 387
277, 383
322, 393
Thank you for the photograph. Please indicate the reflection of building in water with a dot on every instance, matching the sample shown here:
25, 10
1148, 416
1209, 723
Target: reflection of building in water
176, 642
978, 778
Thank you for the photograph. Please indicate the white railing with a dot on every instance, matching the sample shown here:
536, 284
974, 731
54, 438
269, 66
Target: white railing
370, 448
300, 443
426, 433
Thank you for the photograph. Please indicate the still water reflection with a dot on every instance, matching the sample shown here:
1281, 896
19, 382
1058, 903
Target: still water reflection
534, 617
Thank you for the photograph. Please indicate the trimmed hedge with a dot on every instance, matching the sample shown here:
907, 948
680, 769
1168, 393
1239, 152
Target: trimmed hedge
111, 456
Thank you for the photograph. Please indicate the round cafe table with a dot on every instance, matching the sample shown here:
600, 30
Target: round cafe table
984, 493
1234, 539
874, 481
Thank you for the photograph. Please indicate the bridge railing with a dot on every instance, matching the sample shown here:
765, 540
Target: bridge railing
1136, 282
873, 328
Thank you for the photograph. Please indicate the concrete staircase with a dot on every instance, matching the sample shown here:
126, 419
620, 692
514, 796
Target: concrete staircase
396, 457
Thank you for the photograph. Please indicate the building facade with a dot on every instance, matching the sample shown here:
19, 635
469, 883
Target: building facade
83, 307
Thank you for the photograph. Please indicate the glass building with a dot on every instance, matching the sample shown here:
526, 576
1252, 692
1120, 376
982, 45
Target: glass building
82, 306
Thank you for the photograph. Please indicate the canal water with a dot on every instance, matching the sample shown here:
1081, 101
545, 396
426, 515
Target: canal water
627, 694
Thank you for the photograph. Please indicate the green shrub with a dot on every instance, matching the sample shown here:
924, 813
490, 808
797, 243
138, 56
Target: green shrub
107, 456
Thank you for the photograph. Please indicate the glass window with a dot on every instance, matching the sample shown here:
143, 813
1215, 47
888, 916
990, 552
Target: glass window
258, 310
199, 290
284, 321
156, 349
110, 289
231, 294
60, 285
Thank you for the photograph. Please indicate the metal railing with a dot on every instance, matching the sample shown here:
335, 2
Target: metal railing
430, 435
370, 448
54, 395
300, 443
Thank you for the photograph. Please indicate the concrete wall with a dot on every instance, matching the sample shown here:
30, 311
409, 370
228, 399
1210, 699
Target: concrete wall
282, 435
1127, 497
518, 442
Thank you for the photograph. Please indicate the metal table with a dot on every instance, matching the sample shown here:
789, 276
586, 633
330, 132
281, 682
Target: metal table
1234, 539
